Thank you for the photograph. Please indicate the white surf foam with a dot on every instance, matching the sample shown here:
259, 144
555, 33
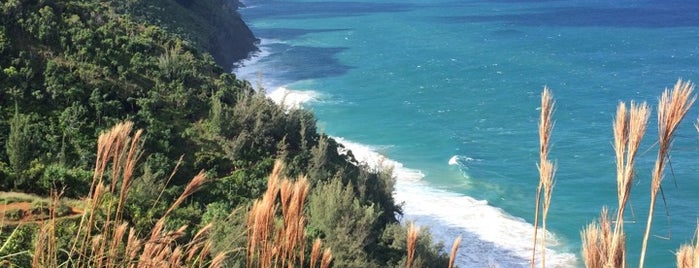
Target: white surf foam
369, 156
292, 99
454, 160
460, 160
491, 237
250, 69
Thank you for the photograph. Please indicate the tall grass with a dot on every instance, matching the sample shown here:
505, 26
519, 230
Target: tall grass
411, 244
604, 243
546, 173
688, 254
103, 239
278, 244
672, 108
454, 249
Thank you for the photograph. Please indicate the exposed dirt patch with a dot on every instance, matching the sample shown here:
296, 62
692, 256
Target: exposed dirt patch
26, 212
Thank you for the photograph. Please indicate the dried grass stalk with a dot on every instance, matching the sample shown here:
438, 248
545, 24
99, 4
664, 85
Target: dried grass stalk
327, 258
672, 108
271, 244
105, 243
597, 244
688, 254
546, 173
411, 244
545, 176
454, 249
315, 252
629, 127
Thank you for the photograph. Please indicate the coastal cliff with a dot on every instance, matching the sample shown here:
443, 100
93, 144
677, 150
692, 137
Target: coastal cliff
213, 26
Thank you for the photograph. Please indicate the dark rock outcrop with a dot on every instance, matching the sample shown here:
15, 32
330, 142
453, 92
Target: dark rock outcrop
231, 39
214, 26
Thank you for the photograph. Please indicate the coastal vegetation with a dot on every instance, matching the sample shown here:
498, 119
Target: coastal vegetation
184, 150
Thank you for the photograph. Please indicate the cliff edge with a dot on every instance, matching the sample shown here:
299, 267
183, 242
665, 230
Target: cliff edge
214, 26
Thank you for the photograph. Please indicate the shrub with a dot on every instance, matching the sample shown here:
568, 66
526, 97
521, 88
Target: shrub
14, 214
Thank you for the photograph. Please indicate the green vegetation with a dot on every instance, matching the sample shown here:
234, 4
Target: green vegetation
211, 25
74, 69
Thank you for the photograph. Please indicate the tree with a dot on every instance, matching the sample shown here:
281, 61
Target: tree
18, 147
337, 216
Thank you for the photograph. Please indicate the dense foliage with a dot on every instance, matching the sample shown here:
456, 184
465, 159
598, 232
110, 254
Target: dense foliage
72, 69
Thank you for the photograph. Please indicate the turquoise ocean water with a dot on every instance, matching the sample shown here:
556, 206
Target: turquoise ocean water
448, 92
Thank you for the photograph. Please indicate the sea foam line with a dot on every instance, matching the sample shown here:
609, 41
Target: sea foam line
492, 238
250, 68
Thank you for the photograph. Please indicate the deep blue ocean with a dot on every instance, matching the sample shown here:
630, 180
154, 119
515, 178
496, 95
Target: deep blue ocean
448, 92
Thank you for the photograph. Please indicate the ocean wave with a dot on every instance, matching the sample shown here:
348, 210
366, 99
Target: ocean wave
292, 99
250, 69
457, 160
491, 237
368, 155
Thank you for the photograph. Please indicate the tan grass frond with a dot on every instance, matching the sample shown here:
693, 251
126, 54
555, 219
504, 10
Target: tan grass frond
597, 244
111, 146
192, 251
621, 138
218, 260
629, 128
206, 250
175, 257
278, 244
46, 241
685, 256
411, 243
42, 246
199, 237
688, 255
193, 186
117, 239
97, 252
545, 123
592, 252
133, 245
134, 153
327, 258
261, 231
285, 194
454, 249
104, 242
545, 129
315, 252
547, 172
672, 108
